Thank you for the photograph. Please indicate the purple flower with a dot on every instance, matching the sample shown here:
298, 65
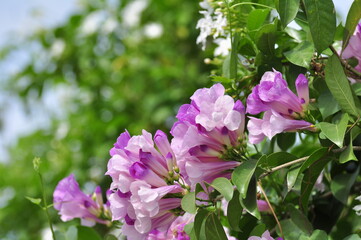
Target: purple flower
145, 181
353, 49
282, 108
265, 236
207, 129
72, 203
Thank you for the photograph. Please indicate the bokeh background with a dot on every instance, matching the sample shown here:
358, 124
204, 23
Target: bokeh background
73, 75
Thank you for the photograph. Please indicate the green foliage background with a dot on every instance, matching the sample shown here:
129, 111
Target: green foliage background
121, 80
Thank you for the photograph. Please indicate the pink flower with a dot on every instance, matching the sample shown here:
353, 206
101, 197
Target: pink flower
282, 108
72, 203
353, 49
265, 236
146, 184
208, 129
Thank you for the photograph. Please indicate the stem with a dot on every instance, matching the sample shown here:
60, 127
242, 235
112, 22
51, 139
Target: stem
251, 3
355, 148
46, 205
345, 64
270, 206
283, 166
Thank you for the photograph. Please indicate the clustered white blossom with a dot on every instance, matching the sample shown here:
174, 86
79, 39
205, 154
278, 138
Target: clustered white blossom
212, 23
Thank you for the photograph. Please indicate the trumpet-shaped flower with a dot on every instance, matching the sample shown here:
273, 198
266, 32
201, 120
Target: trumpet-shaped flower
283, 109
72, 203
146, 184
353, 49
207, 129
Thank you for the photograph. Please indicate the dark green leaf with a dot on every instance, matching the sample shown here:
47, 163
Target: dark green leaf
242, 175
249, 203
290, 230
223, 186
301, 55
112, 237
353, 18
319, 235
321, 18
234, 211
199, 224
189, 203
339, 86
275, 159
258, 230
327, 104
348, 154
335, 132
310, 178
256, 19
300, 220
214, 228
286, 140
356, 87
341, 185
266, 38
88, 233
287, 10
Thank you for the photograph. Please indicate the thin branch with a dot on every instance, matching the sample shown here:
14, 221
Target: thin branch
270, 206
355, 148
283, 166
345, 64
251, 3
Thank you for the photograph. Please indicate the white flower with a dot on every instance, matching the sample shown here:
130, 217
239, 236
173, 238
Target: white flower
224, 46
357, 208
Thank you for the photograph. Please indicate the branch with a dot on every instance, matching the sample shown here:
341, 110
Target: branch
345, 64
283, 166
270, 206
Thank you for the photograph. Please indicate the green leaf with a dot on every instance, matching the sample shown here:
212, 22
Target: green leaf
249, 203
234, 211
335, 132
112, 237
88, 233
353, 237
275, 159
353, 17
327, 104
256, 19
310, 178
287, 10
199, 224
266, 38
223, 186
301, 55
300, 220
290, 230
214, 228
348, 154
339, 86
286, 140
258, 230
321, 18
189, 203
242, 175
59, 235
36, 201
319, 235
341, 185
71, 233
356, 87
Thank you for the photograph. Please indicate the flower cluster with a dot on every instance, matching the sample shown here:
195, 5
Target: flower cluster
208, 129
353, 48
72, 203
212, 23
283, 110
150, 175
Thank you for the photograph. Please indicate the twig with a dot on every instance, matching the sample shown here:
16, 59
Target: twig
270, 206
345, 64
355, 148
283, 166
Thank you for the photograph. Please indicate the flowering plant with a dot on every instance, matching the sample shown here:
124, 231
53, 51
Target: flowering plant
249, 158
